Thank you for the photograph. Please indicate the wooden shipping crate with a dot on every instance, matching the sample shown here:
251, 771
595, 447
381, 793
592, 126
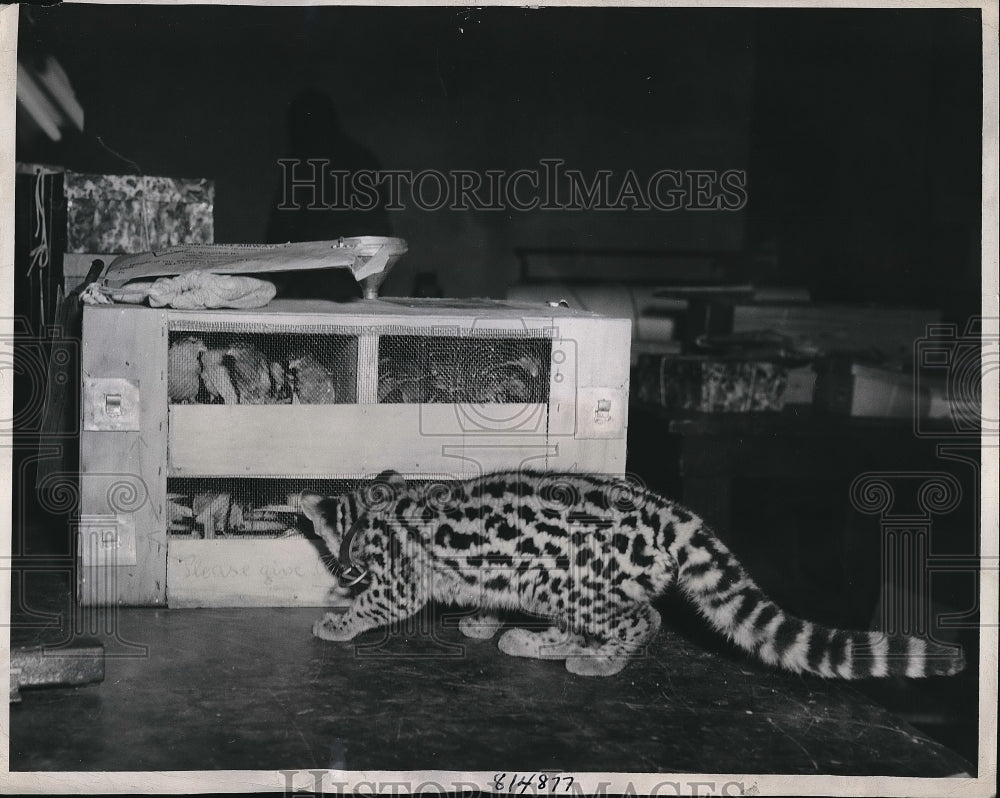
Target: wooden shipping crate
189, 499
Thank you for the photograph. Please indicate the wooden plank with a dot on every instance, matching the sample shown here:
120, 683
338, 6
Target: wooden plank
347, 440
376, 312
589, 456
367, 369
604, 350
563, 381
593, 379
278, 572
122, 472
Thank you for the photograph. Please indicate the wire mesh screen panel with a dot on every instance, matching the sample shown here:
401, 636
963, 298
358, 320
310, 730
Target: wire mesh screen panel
206, 508
481, 369
251, 366
224, 507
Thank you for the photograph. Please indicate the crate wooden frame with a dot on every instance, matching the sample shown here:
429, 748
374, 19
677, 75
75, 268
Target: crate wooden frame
125, 554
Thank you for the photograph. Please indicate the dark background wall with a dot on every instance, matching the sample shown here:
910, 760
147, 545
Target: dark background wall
866, 153
859, 130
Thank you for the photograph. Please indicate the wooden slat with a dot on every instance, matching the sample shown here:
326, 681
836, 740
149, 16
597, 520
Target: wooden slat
332, 440
378, 312
248, 573
595, 369
129, 343
603, 350
589, 457
367, 369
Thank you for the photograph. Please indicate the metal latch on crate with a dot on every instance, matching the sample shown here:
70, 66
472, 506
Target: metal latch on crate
107, 540
602, 413
110, 403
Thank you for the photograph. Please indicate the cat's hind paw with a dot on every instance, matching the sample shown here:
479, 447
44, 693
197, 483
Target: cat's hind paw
481, 626
553, 643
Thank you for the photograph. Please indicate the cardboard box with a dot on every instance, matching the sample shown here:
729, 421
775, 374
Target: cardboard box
861, 390
800, 386
865, 391
711, 385
131, 213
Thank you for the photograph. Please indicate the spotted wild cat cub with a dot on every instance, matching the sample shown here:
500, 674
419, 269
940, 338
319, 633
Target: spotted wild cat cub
590, 553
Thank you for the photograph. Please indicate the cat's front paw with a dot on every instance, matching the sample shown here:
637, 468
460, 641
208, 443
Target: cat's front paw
330, 627
595, 664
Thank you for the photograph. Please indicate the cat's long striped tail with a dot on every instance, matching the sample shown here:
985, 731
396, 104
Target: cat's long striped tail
721, 589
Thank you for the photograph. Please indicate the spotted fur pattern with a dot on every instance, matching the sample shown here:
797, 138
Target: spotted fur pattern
590, 554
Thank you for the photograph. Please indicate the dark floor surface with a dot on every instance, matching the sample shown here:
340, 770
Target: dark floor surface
251, 689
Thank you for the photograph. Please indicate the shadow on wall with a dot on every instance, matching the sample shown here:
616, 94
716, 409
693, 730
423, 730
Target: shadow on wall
310, 202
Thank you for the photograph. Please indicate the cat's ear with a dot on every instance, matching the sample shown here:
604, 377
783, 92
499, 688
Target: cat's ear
312, 506
391, 478
382, 491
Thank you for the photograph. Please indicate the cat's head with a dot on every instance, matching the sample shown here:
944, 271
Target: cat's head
333, 516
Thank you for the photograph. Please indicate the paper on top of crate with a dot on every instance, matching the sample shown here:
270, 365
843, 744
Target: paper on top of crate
364, 256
